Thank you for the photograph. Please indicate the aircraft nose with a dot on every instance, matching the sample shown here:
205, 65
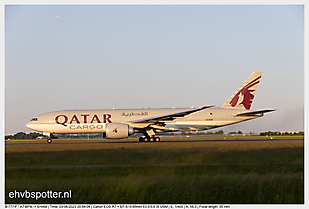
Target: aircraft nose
30, 125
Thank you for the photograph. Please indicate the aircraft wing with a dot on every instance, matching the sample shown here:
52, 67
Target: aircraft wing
171, 116
253, 113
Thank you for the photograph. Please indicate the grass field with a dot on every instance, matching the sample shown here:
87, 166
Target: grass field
169, 172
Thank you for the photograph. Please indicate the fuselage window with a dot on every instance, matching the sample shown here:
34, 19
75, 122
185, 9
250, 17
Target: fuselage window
34, 119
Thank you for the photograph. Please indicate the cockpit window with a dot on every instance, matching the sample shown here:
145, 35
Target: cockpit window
34, 119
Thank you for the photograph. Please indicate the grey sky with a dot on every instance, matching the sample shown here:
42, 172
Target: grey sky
103, 57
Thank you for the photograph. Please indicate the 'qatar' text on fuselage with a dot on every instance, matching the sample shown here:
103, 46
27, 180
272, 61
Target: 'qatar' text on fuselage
64, 119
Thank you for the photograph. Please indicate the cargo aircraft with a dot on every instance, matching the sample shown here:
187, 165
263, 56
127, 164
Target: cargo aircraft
120, 123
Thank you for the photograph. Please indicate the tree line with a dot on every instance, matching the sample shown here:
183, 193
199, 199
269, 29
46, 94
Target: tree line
22, 135
276, 133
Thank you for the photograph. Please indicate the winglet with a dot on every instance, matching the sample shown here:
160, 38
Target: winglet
205, 107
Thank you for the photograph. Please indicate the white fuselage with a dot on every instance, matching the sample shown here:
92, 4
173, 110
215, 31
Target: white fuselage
94, 121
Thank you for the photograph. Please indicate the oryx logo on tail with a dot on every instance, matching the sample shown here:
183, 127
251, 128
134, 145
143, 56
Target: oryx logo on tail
247, 95
243, 97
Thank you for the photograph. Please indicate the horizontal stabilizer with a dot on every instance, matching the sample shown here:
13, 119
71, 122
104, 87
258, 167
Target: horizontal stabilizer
253, 113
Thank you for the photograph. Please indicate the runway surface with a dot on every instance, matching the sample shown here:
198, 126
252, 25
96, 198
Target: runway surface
165, 140
142, 165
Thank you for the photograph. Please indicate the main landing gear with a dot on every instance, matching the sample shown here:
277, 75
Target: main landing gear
149, 139
49, 140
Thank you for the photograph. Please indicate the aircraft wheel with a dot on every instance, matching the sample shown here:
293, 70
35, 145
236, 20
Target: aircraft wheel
49, 141
146, 139
157, 139
152, 139
141, 139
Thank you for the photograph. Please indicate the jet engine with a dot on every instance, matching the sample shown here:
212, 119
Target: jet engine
117, 131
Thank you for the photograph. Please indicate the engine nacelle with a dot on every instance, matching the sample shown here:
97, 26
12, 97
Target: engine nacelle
118, 130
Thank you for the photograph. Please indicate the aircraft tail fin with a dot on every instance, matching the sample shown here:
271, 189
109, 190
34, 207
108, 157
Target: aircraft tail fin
243, 97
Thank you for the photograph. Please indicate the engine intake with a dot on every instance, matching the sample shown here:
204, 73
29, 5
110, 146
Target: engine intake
118, 130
